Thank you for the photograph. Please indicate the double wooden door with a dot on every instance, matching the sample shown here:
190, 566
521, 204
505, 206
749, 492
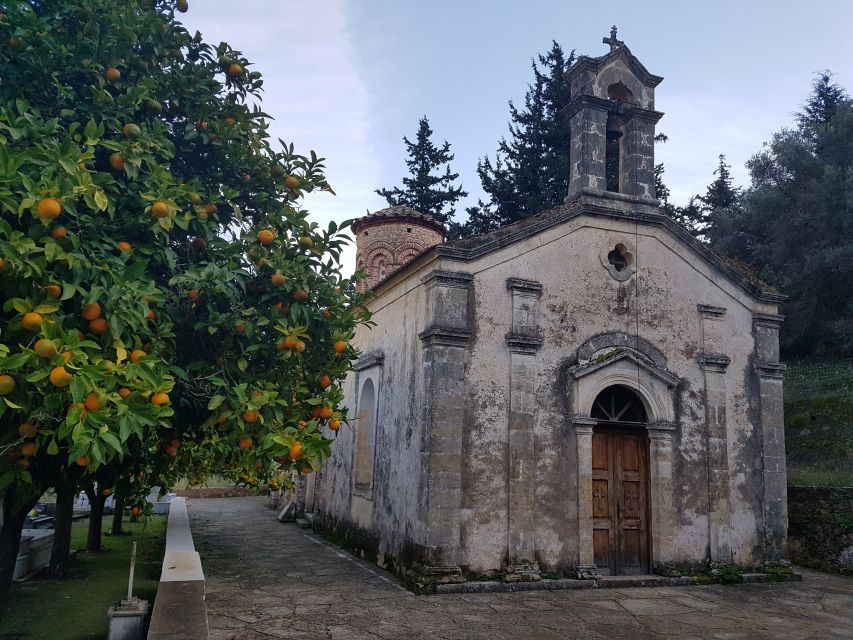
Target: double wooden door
620, 489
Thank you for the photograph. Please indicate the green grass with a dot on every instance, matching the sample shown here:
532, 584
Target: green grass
804, 477
76, 608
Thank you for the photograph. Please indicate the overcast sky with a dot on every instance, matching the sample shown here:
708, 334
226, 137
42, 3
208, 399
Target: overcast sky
348, 78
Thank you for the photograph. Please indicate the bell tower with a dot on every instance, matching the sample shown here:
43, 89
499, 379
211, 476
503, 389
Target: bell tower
612, 115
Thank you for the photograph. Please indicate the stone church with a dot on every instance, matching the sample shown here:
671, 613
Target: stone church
589, 391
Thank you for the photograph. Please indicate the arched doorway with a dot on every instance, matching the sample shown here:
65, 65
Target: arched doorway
620, 483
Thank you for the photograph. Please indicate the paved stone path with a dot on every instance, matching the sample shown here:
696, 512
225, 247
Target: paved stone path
270, 580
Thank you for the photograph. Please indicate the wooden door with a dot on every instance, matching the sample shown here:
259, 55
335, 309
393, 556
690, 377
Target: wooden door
620, 501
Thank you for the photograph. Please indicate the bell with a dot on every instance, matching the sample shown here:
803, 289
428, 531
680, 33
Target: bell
612, 130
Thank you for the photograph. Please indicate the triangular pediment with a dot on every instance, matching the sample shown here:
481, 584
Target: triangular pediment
611, 357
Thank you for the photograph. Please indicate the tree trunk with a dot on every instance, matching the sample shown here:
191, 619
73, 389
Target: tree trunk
61, 551
96, 519
18, 500
118, 514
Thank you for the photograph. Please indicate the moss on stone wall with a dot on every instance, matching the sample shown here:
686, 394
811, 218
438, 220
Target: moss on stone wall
820, 531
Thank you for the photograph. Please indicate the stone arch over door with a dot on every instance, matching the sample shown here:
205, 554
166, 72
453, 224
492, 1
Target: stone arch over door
654, 387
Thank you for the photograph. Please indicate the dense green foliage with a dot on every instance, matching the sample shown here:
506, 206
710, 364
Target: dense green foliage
167, 308
427, 190
795, 223
530, 172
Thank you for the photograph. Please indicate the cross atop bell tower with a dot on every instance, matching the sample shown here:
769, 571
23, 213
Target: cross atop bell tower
612, 41
612, 119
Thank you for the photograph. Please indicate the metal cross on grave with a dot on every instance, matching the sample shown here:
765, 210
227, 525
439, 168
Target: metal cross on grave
612, 41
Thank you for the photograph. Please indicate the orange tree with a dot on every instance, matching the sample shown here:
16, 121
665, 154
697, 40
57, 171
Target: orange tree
167, 308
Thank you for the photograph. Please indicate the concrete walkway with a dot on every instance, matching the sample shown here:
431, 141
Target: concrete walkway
270, 580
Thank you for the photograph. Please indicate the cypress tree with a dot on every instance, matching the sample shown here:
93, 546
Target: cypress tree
427, 189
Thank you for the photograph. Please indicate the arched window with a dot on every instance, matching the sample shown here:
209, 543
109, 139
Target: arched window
365, 437
619, 404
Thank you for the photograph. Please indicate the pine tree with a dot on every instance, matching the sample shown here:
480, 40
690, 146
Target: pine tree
530, 171
427, 190
796, 223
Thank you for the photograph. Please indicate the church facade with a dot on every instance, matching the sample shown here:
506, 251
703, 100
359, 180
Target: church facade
589, 391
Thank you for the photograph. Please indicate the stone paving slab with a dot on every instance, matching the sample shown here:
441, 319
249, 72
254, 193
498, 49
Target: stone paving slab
268, 580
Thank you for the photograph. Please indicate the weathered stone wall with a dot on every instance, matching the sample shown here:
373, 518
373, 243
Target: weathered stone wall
381, 523
821, 527
515, 404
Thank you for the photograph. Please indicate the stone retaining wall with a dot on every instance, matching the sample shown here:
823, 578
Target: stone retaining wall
179, 612
820, 532
216, 492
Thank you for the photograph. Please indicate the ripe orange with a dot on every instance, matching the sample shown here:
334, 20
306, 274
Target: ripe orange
59, 377
291, 182
28, 430
106, 492
229, 121
45, 348
94, 402
325, 412
195, 198
192, 294
153, 106
91, 311
58, 232
175, 443
260, 264
113, 75
136, 512
49, 208
23, 462
125, 246
7, 385
340, 346
124, 392
283, 308
202, 124
266, 236
83, 461
99, 326
335, 424
171, 452
160, 209
245, 442
277, 279
300, 295
299, 347
239, 327
32, 321
210, 208
67, 355
325, 381
305, 242
234, 70
2, 263
151, 315
29, 449
160, 398
250, 416
289, 342
117, 162
279, 346
300, 424
136, 354
296, 451
327, 314
53, 290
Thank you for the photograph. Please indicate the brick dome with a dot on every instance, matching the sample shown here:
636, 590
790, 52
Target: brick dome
389, 238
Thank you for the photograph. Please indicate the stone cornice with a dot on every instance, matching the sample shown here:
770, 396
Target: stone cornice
523, 343
714, 362
447, 279
710, 311
602, 104
646, 115
587, 63
581, 370
770, 369
368, 360
444, 336
584, 424
524, 286
767, 320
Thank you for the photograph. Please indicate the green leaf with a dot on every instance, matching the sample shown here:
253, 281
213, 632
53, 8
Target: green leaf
47, 307
101, 200
242, 365
52, 448
215, 402
68, 165
40, 374
134, 270
11, 404
111, 440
